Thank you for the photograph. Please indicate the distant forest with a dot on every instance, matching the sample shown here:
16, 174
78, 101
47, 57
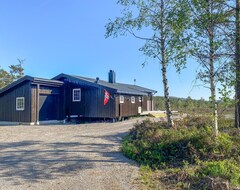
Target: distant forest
189, 105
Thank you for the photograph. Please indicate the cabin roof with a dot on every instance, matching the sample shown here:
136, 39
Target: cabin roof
36, 80
119, 87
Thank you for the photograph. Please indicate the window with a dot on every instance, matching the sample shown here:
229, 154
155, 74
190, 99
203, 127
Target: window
20, 103
77, 95
140, 99
121, 99
133, 100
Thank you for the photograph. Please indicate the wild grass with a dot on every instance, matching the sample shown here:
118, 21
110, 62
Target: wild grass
187, 157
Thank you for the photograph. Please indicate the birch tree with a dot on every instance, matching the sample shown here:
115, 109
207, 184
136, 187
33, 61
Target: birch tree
209, 44
160, 24
237, 63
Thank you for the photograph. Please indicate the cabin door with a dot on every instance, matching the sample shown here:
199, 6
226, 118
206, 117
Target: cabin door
48, 107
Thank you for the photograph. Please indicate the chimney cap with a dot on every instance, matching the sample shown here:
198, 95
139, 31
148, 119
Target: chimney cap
97, 79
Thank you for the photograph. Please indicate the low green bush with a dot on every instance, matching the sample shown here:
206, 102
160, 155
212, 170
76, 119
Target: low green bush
224, 123
190, 150
155, 145
195, 121
226, 169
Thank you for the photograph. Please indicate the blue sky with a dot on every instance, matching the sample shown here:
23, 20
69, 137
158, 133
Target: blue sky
60, 36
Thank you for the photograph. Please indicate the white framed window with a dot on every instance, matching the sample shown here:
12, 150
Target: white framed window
121, 99
132, 99
77, 95
20, 103
139, 99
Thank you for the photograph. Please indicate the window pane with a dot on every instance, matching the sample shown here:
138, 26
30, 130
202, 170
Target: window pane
133, 99
121, 99
76, 95
20, 103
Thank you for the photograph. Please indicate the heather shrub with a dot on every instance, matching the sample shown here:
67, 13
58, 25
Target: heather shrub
188, 155
225, 169
155, 145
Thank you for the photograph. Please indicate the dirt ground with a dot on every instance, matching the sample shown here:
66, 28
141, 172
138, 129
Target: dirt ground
84, 156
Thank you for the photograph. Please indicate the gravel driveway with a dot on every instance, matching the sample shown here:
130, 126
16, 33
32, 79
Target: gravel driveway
84, 156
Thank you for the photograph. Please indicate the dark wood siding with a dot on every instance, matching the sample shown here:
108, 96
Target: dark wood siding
49, 107
33, 104
50, 103
128, 108
73, 108
8, 110
91, 104
149, 103
144, 105
94, 106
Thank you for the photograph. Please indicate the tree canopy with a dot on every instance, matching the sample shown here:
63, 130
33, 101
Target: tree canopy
160, 24
15, 72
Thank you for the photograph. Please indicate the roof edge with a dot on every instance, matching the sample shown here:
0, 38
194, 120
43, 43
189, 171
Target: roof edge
15, 83
142, 91
81, 79
31, 79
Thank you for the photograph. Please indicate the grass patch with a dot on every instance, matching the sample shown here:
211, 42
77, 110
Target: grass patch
226, 169
186, 157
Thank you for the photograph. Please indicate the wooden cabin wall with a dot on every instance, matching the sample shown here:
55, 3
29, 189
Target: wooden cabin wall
94, 104
144, 103
127, 108
149, 103
73, 108
8, 110
91, 104
45, 91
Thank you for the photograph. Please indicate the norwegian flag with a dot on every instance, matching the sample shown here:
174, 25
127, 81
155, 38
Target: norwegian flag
106, 97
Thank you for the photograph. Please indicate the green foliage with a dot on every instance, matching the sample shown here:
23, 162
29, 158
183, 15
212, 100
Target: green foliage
194, 107
146, 178
210, 46
165, 19
15, 73
224, 144
194, 121
165, 40
5, 78
211, 31
203, 175
226, 169
225, 123
155, 145
186, 105
189, 152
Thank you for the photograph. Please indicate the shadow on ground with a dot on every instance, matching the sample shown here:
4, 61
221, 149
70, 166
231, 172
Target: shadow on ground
33, 161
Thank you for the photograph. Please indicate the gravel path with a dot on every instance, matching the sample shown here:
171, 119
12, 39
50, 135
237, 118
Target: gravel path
63, 157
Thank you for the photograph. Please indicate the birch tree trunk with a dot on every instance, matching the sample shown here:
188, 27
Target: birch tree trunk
166, 96
213, 98
212, 72
166, 42
164, 69
237, 62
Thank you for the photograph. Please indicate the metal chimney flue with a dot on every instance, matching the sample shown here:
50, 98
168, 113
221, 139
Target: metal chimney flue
111, 77
97, 79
